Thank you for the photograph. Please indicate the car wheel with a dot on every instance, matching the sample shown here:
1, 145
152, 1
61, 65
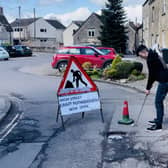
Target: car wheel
6, 59
107, 64
62, 66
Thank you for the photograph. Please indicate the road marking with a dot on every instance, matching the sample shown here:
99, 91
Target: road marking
10, 126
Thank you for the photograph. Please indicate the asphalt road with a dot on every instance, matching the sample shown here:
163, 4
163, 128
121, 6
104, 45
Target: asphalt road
37, 141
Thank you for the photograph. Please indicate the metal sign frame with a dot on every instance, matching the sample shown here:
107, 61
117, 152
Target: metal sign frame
59, 113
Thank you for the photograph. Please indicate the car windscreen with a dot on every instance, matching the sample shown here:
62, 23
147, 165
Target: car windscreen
105, 51
98, 51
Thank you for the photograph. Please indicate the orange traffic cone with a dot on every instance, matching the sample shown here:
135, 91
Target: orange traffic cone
126, 120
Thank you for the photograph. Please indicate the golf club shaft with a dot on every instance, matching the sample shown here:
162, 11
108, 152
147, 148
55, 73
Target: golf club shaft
136, 122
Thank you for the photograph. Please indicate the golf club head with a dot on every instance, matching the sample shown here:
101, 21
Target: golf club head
134, 125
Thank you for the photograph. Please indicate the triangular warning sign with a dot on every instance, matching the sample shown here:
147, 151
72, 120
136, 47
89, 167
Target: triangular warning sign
75, 80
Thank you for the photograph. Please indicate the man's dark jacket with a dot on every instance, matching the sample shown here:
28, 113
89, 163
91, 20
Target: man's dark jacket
157, 69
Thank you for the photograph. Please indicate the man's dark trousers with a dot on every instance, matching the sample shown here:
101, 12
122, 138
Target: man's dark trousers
159, 101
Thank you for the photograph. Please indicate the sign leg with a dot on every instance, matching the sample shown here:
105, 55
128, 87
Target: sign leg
62, 120
101, 113
58, 112
101, 108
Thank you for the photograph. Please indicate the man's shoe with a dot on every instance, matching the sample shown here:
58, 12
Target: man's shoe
153, 121
155, 128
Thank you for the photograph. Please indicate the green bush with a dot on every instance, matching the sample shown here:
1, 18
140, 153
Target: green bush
138, 66
89, 72
95, 72
124, 69
136, 78
112, 73
135, 72
116, 61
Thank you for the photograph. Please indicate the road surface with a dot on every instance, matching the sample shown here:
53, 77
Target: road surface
36, 140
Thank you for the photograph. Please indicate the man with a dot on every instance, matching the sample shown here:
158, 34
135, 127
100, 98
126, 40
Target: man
77, 76
158, 71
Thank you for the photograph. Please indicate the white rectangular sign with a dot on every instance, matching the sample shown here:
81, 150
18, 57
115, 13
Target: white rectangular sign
77, 103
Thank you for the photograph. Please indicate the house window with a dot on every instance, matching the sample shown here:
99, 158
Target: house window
74, 31
43, 40
18, 29
43, 30
157, 39
91, 33
163, 7
152, 39
163, 39
153, 14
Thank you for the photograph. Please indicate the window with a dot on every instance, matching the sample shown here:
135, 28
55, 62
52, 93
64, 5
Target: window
18, 29
157, 39
163, 7
88, 51
91, 33
63, 51
43, 40
153, 14
105, 51
74, 51
163, 39
43, 30
74, 31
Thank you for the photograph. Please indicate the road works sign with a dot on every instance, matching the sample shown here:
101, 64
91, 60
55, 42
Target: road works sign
75, 80
77, 92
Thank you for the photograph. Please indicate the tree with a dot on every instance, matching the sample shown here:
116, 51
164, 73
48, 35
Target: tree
113, 31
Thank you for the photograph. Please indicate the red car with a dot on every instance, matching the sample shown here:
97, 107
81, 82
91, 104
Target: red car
83, 54
107, 51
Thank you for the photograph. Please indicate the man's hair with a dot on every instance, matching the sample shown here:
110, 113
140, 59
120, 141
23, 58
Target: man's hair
141, 48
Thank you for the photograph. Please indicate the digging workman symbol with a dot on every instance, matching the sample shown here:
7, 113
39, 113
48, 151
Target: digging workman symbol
75, 80
77, 76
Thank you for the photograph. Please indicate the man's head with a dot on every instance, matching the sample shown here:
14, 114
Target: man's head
142, 51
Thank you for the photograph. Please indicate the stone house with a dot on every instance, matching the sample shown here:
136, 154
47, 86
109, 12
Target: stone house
38, 32
155, 27
5, 29
134, 36
89, 32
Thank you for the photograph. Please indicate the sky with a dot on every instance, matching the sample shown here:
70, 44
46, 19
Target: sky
66, 10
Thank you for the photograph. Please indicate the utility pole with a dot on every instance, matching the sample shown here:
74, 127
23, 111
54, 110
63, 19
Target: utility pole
19, 24
34, 11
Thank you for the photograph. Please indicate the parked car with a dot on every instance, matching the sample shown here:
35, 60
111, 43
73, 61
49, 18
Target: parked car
3, 54
83, 54
107, 51
22, 50
11, 51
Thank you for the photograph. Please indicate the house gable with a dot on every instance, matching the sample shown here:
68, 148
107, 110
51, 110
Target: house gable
89, 30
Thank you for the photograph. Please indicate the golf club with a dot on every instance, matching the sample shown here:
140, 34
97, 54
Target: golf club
140, 112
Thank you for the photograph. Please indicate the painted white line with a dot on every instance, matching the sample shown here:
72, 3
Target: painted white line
3, 137
11, 126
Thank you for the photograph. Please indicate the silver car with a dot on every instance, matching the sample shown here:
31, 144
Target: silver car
3, 54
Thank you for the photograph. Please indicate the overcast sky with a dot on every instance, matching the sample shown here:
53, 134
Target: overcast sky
66, 10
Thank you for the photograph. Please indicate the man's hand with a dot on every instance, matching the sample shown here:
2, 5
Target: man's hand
147, 92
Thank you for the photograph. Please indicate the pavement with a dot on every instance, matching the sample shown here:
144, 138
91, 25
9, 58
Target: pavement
134, 146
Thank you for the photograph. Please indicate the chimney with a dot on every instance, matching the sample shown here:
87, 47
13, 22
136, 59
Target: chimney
1, 10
